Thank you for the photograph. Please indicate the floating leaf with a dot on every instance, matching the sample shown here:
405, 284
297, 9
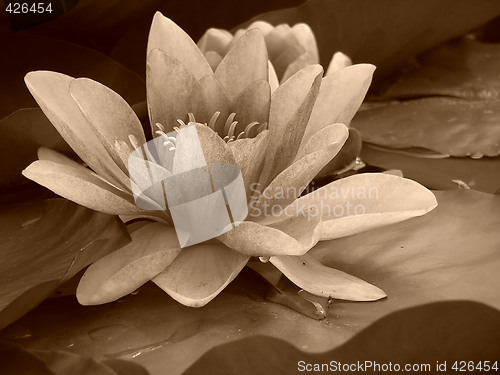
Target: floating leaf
450, 253
449, 126
465, 68
46, 243
44, 362
481, 174
424, 336
346, 156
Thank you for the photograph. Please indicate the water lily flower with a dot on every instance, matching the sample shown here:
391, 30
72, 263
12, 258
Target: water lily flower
280, 140
290, 48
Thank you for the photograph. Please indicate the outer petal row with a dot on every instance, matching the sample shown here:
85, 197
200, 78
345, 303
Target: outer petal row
52, 92
339, 98
81, 186
309, 274
294, 235
366, 201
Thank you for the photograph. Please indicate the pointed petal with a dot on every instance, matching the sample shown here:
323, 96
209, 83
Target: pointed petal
366, 201
309, 274
51, 91
214, 59
253, 104
299, 63
263, 26
198, 146
81, 186
214, 148
165, 35
291, 106
208, 97
216, 40
45, 153
279, 39
237, 35
245, 63
169, 85
286, 58
338, 61
200, 273
290, 183
272, 78
346, 156
154, 246
249, 154
294, 235
306, 38
395, 172
335, 133
340, 96
108, 114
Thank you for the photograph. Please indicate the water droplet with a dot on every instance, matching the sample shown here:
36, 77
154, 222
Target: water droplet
29, 222
65, 342
136, 352
16, 332
107, 333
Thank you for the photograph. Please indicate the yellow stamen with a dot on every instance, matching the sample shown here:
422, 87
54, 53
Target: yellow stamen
213, 120
133, 141
229, 122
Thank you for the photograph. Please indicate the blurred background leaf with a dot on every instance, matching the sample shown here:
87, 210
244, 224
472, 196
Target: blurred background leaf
17, 360
27, 53
481, 174
46, 243
437, 332
448, 103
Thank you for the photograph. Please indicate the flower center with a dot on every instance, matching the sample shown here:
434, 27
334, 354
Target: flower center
228, 133
169, 142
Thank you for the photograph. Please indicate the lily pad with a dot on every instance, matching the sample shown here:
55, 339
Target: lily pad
46, 243
464, 68
424, 337
43, 362
450, 253
481, 174
450, 126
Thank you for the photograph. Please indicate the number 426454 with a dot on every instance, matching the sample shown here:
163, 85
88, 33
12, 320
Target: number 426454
19, 8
